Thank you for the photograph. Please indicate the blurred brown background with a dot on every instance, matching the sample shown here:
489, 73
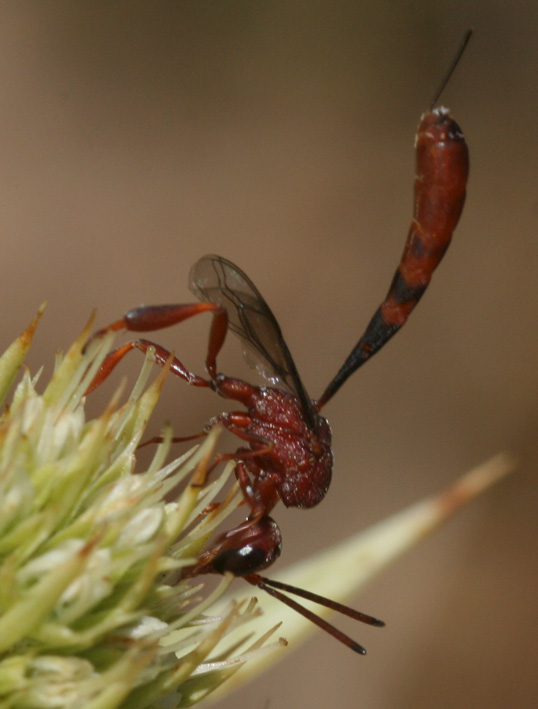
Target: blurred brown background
136, 137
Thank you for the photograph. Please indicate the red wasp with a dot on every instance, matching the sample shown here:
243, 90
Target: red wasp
287, 453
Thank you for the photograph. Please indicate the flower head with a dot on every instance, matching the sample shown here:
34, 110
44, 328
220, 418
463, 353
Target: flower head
91, 611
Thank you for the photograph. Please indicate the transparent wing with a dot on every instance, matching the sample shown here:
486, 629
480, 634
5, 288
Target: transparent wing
216, 280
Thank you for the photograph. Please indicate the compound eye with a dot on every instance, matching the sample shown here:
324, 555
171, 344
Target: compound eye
240, 562
248, 548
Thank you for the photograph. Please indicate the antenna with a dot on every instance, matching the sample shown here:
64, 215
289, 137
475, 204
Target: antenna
270, 586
